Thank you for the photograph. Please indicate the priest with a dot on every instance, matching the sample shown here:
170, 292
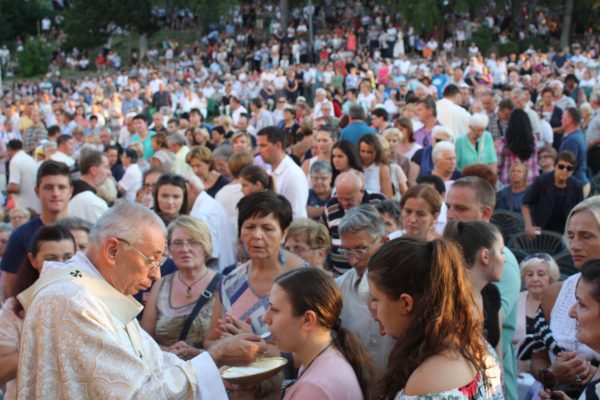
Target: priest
81, 338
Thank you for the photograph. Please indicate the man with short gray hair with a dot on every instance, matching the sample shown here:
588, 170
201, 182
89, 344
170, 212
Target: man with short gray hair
177, 143
350, 193
362, 234
81, 338
357, 127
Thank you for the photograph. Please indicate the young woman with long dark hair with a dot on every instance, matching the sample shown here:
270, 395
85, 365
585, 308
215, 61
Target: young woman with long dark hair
422, 298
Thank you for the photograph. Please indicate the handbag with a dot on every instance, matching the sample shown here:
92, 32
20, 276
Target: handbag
204, 298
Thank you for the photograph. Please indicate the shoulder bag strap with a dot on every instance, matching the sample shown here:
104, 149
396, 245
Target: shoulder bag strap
204, 298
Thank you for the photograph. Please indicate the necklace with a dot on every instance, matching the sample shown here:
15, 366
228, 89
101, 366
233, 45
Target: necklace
188, 292
313, 360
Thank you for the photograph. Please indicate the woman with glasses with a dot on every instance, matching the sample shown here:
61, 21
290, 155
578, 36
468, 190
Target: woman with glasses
179, 309
565, 356
170, 197
481, 244
552, 195
50, 243
444, 354
309, 240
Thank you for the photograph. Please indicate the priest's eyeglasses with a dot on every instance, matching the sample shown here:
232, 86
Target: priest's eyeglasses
153, 264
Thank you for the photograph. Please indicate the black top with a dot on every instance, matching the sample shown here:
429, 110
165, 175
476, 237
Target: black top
219, 183
491, 307
80, 186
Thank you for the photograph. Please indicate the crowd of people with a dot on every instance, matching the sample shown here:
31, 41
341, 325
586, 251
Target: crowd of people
329, 204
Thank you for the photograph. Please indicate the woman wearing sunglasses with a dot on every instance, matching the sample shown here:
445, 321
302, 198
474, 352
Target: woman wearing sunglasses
551, 196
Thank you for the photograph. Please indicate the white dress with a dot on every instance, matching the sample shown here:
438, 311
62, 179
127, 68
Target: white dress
563, 327
373, 183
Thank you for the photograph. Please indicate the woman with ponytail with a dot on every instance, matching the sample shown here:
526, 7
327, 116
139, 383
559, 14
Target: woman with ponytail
481, 244
422, 298
303, 315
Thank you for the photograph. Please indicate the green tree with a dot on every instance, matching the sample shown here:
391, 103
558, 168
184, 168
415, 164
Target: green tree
20, 18
35, 58
88, 22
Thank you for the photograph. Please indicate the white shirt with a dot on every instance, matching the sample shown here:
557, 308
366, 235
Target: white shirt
131, 181
222, 233
63, 158
357, 318
23, 171
453, 116
229, 196
87, 205
291, 183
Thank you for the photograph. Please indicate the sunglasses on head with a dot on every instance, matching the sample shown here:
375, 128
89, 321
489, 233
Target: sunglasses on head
543, 256
569, 168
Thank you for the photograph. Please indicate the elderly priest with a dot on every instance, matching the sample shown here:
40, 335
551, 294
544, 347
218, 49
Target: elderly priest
81, 339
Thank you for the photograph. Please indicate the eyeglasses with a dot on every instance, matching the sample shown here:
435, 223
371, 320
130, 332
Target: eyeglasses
300, 249
178, 244
569, 168
543, 256
153, 264
356, 253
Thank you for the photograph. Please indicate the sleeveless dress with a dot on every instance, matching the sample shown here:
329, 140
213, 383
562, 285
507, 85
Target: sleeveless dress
170, 319
563, 327
373, 183
238, 298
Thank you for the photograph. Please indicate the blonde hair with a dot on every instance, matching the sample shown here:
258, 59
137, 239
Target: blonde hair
203, 154
195, 228
313, 233
393, 132
550, 265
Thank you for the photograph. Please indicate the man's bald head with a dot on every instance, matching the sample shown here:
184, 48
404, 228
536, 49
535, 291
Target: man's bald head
350, 188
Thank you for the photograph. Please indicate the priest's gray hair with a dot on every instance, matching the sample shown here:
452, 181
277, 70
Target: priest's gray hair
363, 218
128, 220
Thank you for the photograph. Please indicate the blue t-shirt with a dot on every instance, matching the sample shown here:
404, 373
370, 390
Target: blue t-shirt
18, 245
354, 131
315, 201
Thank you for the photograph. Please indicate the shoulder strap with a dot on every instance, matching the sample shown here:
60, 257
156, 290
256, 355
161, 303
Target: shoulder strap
204, 298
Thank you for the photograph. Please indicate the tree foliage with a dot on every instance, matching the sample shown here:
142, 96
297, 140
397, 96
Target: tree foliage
20, 18
90, 22
35, 58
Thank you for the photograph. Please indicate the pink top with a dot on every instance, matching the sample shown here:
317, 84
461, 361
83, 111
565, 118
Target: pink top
329, 377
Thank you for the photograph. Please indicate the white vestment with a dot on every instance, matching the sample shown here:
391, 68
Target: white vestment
81, 340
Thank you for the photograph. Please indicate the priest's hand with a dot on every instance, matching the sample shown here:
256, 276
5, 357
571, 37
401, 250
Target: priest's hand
239, 349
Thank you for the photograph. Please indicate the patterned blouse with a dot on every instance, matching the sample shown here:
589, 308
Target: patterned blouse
486, 386
238, 298
506, 159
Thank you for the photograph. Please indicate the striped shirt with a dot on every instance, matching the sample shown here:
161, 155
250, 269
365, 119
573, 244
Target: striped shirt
331, 218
